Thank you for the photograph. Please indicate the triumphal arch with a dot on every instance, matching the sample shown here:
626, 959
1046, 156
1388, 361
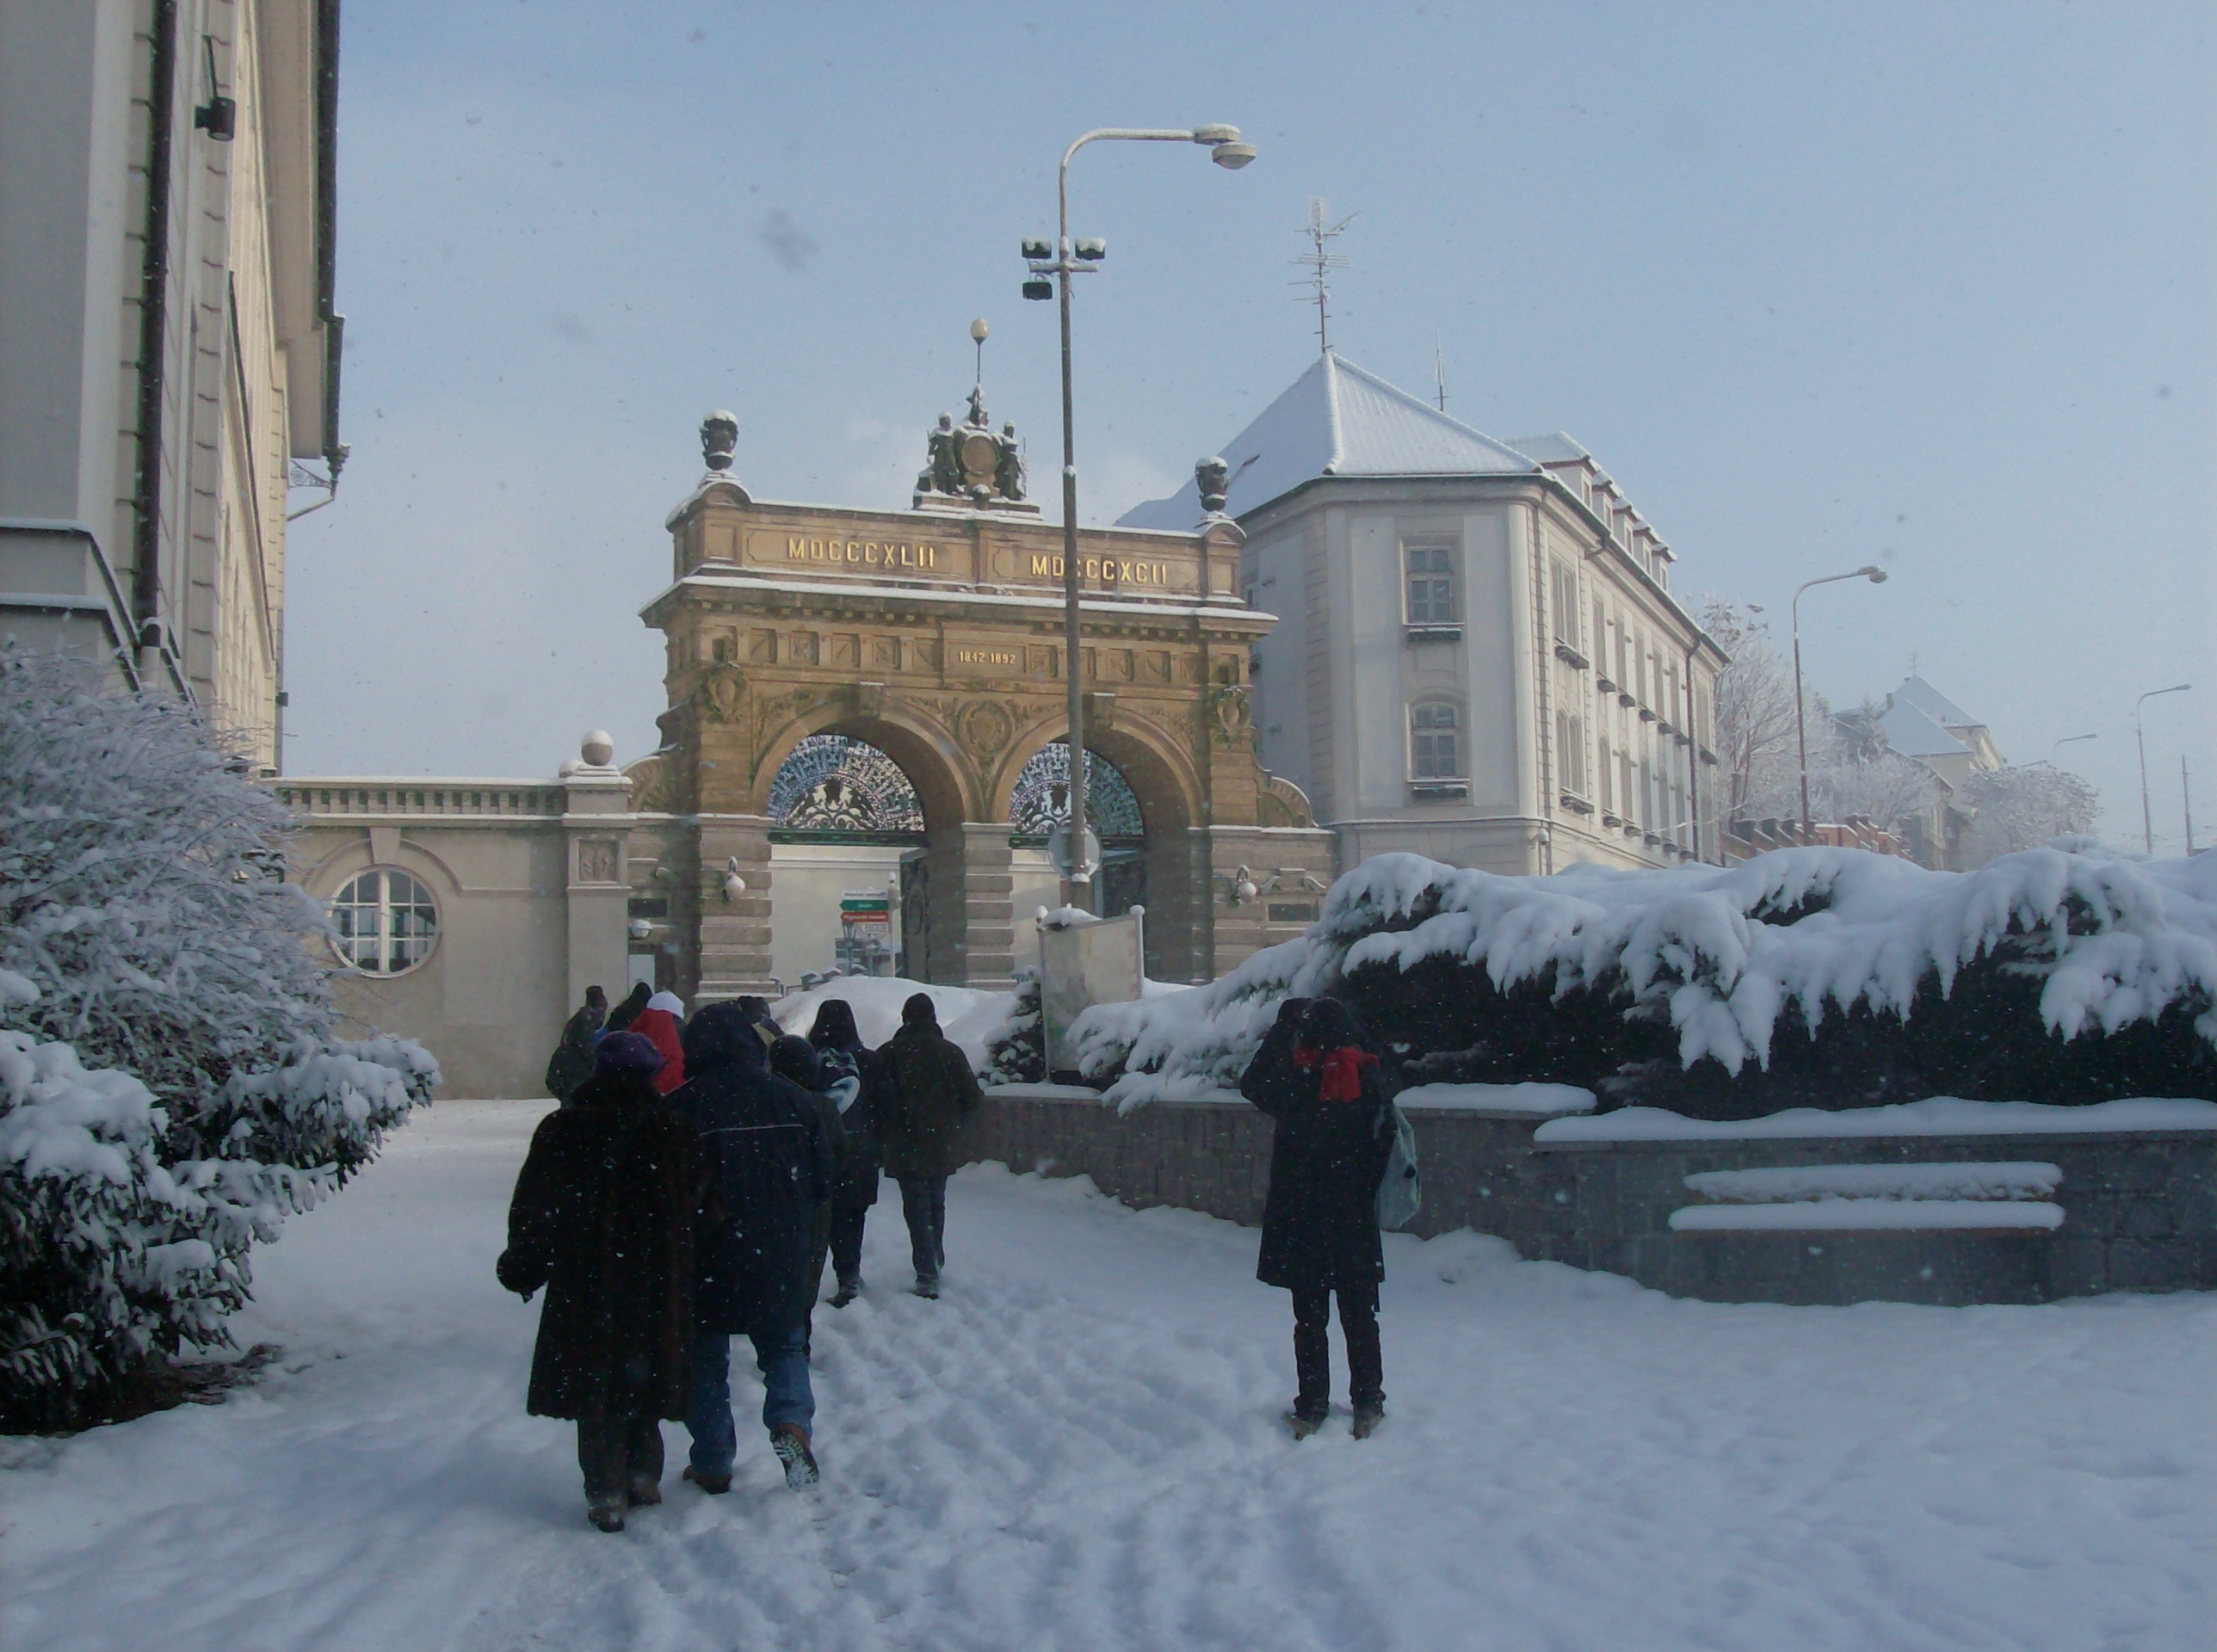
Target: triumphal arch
930, 641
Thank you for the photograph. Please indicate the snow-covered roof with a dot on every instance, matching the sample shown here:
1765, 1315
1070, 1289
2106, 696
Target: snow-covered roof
1915, 691
1557, 448
1337, 420
1914, 732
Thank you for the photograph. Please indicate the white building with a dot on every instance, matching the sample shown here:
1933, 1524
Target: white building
1478, 656
167, 341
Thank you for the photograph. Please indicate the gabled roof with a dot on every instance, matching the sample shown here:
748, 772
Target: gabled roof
1915, 691
1914, 732
1337, 420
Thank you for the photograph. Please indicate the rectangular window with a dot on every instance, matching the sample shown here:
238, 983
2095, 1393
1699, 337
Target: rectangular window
1608, 782
1433, 751
1570, 752
1601, 636
1631, 793
1429, 578
1564, 592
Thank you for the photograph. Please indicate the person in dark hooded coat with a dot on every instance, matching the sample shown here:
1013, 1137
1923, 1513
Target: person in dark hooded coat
932, 1090
839, 1042
605, 1216
622, 1017
795, 1060
772, 1162
1316, 1075
571, 1064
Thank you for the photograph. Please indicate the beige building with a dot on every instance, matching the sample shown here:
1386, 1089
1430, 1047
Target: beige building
1478, 656
167, 341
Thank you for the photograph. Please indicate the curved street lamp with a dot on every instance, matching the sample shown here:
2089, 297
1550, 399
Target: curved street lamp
1877, 575
1063, 261
2139, 736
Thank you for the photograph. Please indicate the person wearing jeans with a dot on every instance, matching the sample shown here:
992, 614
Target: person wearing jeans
923, 1206
789, 1403
770, 1152
931, 1090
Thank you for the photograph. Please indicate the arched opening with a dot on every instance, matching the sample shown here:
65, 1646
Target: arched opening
1039, 805
847, 844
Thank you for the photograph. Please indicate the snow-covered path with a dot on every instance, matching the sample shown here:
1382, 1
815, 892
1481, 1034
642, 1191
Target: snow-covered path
1078, 1447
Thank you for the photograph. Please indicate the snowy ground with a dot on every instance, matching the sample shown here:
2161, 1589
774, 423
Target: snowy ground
1079, 1447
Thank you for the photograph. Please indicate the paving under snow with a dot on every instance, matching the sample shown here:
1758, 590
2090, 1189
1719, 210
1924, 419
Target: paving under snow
1078, 1447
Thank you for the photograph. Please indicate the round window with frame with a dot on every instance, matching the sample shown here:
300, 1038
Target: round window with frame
384, 922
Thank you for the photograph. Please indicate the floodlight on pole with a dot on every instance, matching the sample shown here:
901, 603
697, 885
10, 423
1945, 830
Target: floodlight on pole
2140, 737
1227, 150
1877, 575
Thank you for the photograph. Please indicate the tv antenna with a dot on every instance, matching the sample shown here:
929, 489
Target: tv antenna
1439, 372
1321, 262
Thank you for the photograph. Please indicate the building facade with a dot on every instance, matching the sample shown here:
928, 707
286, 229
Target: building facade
1478, 654
168, 344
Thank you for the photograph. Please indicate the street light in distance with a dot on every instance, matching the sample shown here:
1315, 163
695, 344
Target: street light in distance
1877, 575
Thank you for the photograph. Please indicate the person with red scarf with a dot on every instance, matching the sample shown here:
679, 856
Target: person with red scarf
1316, 1076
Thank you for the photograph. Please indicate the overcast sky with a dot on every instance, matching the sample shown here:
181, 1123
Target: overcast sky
1931, 285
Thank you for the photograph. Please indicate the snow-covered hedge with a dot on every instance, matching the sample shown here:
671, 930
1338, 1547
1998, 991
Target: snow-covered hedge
1807, 977
170, 1085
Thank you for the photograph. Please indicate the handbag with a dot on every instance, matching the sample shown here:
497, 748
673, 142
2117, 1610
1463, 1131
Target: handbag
1400, 1192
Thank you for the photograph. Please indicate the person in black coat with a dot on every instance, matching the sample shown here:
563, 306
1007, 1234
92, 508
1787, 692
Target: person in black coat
794, 1059
571, 1064
931, 1091
622, 1017
839, 1041
771, 1159
605, 1216
1316, 1075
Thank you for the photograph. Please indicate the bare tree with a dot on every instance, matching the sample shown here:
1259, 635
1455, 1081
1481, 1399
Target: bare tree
1853, 771
1754, 715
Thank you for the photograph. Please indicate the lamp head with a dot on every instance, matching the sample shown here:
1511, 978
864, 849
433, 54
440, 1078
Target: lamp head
1216, 134
1231, 157
978, 329
1038, 251
1873, 573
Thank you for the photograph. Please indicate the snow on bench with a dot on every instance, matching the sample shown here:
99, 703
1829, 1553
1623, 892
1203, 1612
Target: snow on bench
1539, 1100
1837, 1198
1938, 1115
1786, 1183
1836, 1215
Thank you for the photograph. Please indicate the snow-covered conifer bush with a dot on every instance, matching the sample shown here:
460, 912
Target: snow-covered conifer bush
1805, 977
172, 1087
1016, 1053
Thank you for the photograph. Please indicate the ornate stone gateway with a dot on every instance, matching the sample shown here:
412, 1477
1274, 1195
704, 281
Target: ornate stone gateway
933, 636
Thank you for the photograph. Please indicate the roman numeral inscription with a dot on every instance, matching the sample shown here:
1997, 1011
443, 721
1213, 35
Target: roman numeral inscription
863, 553
1106, 570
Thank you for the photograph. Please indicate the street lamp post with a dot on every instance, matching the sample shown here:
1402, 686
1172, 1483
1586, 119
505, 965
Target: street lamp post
2140, 736
1227, 151
1870, 571
2067, 740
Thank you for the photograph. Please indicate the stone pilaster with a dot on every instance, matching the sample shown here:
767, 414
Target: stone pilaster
971, 915
597, 821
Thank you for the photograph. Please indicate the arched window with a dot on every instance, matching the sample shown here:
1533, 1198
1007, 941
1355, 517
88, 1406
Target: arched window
831, 783
386, 921
1041, 802
1435, 743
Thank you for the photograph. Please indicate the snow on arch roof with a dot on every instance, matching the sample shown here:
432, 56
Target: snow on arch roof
1337, 419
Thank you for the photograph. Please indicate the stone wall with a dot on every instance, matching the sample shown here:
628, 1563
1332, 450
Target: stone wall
2139, 1207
